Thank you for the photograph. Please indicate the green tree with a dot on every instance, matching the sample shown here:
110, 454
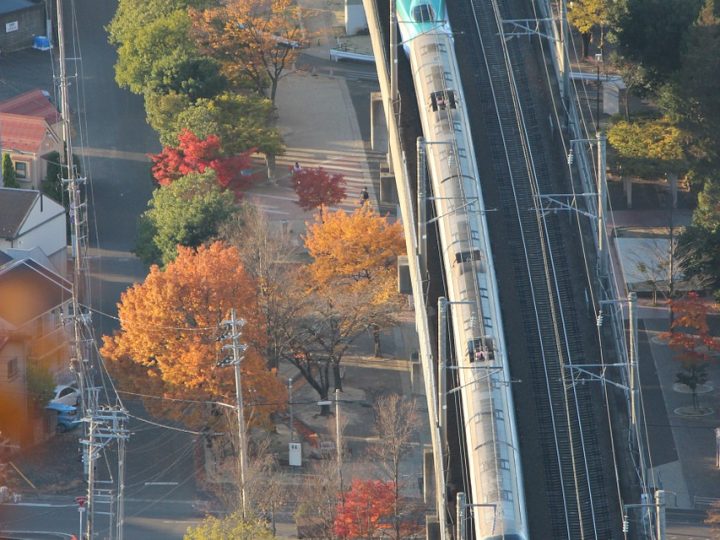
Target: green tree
52, 185
241, 121
188, 212
40, 384
146, 58
9, 175
232, 526
651, 32
707, 214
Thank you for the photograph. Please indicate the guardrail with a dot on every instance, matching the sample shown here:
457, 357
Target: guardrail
339, 54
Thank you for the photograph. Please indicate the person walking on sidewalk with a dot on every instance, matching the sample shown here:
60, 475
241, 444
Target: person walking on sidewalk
296, 168
364, 197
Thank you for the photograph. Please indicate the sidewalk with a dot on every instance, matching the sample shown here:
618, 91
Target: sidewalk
682, 447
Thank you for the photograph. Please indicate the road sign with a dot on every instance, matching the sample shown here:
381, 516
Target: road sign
81, 501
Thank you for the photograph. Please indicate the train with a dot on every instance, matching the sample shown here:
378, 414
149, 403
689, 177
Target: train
497, 498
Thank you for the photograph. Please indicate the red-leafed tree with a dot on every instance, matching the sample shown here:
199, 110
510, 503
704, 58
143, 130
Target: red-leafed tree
316, 188
367, 511
193, 154
690, 337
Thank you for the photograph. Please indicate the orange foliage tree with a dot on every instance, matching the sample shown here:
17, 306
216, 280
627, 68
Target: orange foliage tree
367, 512
357, 252
167, 343
690, 337
252, 39
316, 188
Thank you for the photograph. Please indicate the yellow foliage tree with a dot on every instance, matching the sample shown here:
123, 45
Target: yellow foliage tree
167, 343
358, 250
586, 15
253, 39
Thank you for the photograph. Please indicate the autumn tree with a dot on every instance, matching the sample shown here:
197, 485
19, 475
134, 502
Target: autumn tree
649, 148
195, 155
585, 15
167, 343
188, 213
272, 260
232, 526
358, 251
690, 338
316, 188
366, 511
701, 241
713, 519
396, 425
254, 39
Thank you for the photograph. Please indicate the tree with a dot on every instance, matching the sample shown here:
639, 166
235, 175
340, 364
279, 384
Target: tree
700, 242
167, 343
651, 32
690, 337
146, 55
9, 175
316, 188
40, 385
586, 15
366, 511
241, 121
317, 503
186, 213
272, 260
195, 155
649, 148
254, 39
395, 423
358, 252
232, 526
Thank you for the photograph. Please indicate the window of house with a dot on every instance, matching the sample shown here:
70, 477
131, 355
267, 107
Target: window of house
21, 169
12, 369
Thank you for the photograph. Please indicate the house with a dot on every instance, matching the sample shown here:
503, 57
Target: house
20, 22
30, 128
29, 219
34, 300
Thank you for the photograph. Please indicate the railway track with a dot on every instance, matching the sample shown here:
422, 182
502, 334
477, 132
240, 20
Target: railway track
575, 484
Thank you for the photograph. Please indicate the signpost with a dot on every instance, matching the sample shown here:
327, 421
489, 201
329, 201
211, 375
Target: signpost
81, 510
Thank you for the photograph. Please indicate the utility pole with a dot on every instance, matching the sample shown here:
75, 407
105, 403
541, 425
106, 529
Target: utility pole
421, 207
442, 365
235, 326
461, 521
601, 202
338, 439
290, 404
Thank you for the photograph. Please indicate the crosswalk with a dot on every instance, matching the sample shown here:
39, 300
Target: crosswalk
358, 167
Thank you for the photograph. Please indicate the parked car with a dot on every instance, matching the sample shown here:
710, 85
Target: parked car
66, 394
67, 416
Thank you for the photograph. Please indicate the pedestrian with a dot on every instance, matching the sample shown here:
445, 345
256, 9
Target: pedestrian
364, 197
296, 168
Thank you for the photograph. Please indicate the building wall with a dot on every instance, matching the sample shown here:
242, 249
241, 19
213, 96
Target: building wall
29, 22
13, 400
36, 165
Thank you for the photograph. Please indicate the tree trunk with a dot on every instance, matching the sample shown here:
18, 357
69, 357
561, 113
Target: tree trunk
270, 166
376, 340
586, 37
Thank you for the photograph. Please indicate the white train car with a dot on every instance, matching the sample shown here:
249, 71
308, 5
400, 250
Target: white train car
489, 416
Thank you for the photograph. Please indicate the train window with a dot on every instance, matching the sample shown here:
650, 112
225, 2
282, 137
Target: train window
505, 464
423, 13
499, 414
442, 99
461, 152
506, 495
457, 126
467, 256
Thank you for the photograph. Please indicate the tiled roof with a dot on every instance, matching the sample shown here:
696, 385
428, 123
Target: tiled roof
22, 133
15, 204
28, 289
34, 103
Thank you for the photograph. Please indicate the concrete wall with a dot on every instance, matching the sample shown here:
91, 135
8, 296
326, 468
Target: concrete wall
355, 20
30, 22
